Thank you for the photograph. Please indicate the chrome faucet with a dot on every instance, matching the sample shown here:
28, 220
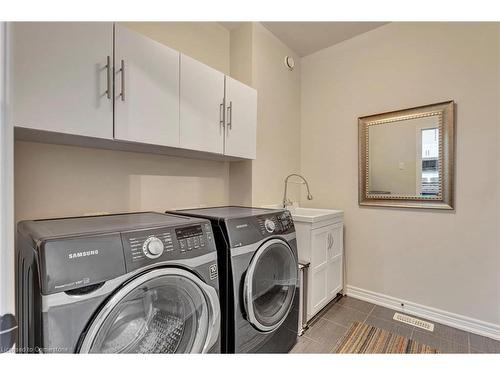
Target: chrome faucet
288, 202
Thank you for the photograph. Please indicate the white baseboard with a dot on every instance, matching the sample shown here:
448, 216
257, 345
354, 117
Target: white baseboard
440, 316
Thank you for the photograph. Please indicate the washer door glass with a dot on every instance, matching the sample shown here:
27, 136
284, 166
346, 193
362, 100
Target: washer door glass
270, 285
159, 312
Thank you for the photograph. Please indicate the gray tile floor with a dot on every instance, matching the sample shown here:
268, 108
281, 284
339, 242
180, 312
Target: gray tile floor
332, 323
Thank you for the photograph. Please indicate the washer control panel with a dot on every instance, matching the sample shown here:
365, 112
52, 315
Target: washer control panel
149, 245
278, 223
142, 247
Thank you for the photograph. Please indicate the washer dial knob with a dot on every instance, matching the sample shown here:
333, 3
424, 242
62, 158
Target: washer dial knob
270, 226
152, 247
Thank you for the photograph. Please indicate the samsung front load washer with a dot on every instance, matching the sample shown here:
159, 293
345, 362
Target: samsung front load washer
258, 273
123, 283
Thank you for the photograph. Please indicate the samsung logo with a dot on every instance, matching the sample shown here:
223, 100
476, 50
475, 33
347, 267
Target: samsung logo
81, 254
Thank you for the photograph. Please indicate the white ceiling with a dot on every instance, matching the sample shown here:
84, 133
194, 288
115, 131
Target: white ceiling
308, 37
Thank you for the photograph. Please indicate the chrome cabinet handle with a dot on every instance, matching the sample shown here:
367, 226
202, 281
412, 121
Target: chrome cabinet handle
108, 77
230, 115
122, 74
221, 114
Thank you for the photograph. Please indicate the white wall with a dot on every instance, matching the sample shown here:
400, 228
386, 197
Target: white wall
242, 64
242, 53
204, 41
257, 59
446, 260
54, 181
278, 116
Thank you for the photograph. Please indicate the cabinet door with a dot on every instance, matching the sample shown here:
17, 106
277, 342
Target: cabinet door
201, 107
335, 258
318, 297
146, 90
326, 266
60, 78
241, 120
334, 277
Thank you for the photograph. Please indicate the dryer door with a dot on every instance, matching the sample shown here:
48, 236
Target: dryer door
270, 285
166, 310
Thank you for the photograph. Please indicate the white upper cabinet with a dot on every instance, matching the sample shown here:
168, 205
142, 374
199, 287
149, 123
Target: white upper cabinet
60, 79
241, 120
201, 107
146, 89
101, 80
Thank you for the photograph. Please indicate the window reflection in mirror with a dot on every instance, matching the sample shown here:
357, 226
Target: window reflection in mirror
429, 162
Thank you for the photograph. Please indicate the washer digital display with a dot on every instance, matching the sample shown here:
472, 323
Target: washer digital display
188, 232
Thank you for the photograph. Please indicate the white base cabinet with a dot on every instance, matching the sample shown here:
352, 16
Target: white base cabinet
321, 244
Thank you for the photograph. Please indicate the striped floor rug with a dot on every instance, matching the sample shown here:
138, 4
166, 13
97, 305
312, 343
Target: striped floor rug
363, 338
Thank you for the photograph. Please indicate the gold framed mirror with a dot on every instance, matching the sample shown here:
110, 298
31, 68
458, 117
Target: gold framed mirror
406, 157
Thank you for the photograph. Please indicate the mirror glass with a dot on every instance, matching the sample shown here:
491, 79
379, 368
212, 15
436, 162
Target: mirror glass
403, 158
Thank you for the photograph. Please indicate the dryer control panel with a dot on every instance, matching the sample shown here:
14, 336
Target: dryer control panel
143, 247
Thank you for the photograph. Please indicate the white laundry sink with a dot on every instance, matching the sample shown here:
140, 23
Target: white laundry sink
310, 215
313, 215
